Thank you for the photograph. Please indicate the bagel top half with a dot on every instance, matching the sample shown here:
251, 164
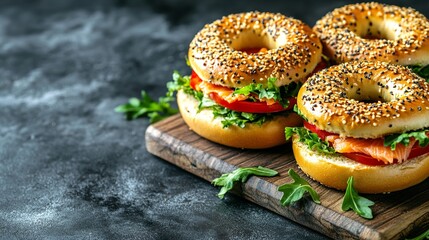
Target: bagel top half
375, 32
293, 50
364, 99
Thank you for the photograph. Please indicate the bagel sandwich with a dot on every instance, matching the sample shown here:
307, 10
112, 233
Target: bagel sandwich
246, 71
364, 119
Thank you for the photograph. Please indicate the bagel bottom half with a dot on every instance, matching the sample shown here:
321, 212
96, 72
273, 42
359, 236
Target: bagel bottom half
334, 170
253, 136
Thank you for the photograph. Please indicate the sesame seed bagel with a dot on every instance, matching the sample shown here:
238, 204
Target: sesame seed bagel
375, 32
254, 136
365, 99
293, 50
334, 170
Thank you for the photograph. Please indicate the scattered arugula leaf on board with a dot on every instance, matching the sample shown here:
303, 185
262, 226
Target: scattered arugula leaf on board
422, 236
293, 192
404, 138
147, 107
310, 139
358, 204
227, 180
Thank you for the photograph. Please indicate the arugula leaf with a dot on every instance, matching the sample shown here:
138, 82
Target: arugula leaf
422, 71
293, 192
422, 236
353, 201
146, 106
227, 180
404, 138
310, 139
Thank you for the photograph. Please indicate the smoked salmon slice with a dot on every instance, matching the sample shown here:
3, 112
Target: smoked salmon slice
373, 147
228, 93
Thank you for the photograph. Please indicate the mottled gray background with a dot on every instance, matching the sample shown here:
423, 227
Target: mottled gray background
70, 167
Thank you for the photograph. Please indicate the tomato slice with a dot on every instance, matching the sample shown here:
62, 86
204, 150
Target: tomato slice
252, 107
368, 160
418, 151
195, 81
361, 157
242, 106
321, 133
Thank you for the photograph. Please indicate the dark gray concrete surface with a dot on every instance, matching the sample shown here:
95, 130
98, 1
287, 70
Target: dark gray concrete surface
72, 168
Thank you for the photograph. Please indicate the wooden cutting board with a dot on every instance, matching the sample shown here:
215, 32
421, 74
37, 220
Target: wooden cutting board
396, 215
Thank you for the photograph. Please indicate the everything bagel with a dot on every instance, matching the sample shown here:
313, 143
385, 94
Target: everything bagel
292, 50
365, 100
375, 32
246, 71
364, 119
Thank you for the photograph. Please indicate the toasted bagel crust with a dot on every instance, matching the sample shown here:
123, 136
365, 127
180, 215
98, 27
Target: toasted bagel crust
335, 100
375, 32
253, 136
293, 52
334, 170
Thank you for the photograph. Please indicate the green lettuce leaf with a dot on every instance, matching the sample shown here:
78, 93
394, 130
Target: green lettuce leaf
182, 83
310, 139
272, 91
404, 138
297, 111
229, 117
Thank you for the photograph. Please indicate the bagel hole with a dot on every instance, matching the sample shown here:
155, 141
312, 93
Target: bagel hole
368, 94
251, 42
370, 100
367, 99
376, 36
381, 30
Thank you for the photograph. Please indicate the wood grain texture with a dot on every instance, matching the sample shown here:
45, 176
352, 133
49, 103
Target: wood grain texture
396, 215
